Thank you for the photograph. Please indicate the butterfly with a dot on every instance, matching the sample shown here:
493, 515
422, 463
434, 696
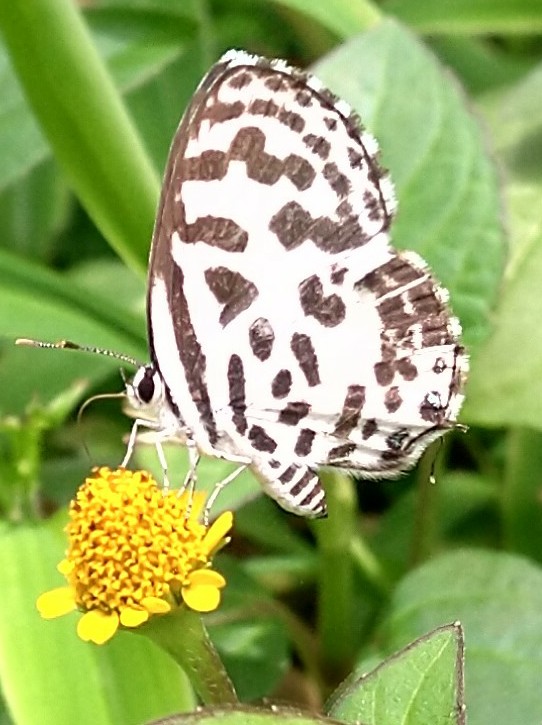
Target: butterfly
285, 333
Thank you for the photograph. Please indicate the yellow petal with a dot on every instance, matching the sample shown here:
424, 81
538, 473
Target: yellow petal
217, 531
207, 578
56, 602
65, 567
96, 626
201, 598
133, 617
154, 605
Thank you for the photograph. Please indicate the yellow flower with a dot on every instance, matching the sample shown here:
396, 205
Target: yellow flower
133, 552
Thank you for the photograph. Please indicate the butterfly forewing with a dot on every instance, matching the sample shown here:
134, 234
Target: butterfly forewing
288, 333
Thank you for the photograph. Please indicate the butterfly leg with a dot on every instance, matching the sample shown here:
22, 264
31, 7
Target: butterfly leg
131, 442
220, 486
139, 422
163, 462
191, 477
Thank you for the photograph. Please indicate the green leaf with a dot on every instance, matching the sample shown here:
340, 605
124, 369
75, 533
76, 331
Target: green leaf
22, 145
33, 211
341, 17
469, 16
497, 598
446, 184
248, 633
149, 65
458, 497
113, 283
37, 303
49, 675
158, 104
264, 522
84, 119
480, 63
506, 377
423, 683
246, 715
255, 654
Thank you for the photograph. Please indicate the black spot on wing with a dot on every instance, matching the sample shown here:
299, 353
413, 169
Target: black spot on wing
260, 440
353, 404
236, 384
302, 347
231, 290
294, 412
261, 338
282, 383
304, 442
330, 311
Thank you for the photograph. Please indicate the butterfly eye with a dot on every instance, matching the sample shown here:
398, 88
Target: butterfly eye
145, 385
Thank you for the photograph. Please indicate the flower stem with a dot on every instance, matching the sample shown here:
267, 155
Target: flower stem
519, 493
425, 523
336, 572
368, 565
183, 635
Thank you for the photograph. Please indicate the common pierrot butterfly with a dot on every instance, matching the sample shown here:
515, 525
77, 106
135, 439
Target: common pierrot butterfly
285, 333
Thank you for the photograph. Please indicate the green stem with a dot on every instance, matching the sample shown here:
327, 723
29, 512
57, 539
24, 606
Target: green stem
336, 573
520, 493
183, 635
425, 522
302, 639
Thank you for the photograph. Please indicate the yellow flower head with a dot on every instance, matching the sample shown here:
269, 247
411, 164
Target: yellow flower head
134, 551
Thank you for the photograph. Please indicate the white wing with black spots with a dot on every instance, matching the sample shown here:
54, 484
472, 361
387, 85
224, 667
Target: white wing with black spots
286, 330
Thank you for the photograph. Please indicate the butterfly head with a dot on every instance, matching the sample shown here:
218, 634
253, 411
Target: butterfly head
148, 402
145, 392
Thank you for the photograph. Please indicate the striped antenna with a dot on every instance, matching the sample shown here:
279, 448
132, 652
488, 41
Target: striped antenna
68, 345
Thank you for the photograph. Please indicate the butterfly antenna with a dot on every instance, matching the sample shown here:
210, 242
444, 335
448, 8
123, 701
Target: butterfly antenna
68, 345
84, 406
